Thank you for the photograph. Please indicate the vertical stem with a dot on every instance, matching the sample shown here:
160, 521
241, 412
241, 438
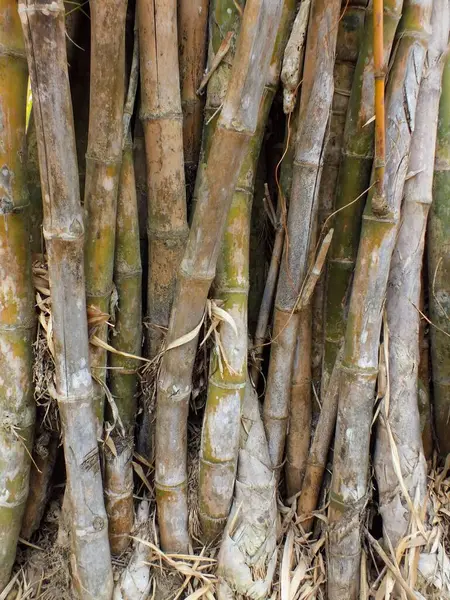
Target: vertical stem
315, 106
17, 411
360, 360
192, 32
161, 117
439, 270
44, 30
380, 120
103, 160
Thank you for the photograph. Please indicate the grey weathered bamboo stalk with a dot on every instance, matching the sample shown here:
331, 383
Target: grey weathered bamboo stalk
17, 319
44, 30
402, 302
315, 105
235, 128
360, 360
103, 160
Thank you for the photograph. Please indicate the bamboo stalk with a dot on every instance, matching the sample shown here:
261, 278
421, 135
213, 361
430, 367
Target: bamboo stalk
123, 379
439, 271
315, 105
380, 118
162, 122
192, 31
353, 182
403, 298
17, 411
45, 452
235, 128
103, 160
360, 361
34, 188
226, 387
44, 31
350, 38
320, 445
248, 552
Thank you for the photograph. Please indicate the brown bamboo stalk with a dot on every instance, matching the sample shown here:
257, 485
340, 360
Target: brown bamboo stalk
236, 125
103, 160
360, 360
317, 458
315, 105
17, 319
192, 32
44, 31
161, 117
380, 118
401, 415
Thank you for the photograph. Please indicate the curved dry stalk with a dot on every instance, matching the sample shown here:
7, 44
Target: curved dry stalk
226, 386
403, 298
315, 105
360, 361
353, 181
248, 553
44, 31
17, 319
103, 160
439, 271
162, 122
235, 129
192, 33
123, 379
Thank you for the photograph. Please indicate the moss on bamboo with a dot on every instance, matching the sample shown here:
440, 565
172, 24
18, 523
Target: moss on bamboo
17, 411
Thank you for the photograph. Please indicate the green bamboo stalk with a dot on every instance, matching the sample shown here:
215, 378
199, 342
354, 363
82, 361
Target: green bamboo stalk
17, 412
350, 38
360, 360
123, 379
439, 271
315, 105
352, 183
226, 387
44, 31
235, 129
401, 416
103, 160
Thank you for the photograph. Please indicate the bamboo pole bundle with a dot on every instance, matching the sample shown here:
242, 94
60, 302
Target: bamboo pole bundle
360, 360
44, 31
315, 105
350, 37
226, 386
126, 338
353, 182
401, 420
439, 270
103, 160
17, 411
161, 117
235, 128
192, 32
248, 553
